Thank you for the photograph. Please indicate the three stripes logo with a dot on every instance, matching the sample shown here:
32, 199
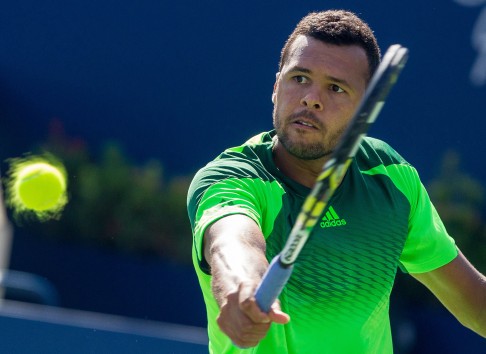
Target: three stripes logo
332, 219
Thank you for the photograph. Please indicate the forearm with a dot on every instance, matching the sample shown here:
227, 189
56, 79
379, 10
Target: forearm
232, 265
470, 309
476, 321
235, 251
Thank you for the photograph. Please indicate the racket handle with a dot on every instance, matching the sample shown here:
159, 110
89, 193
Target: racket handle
272, 283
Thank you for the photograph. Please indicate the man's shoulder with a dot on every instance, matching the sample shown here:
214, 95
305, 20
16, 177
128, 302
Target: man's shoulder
249, 159
378, 152
378, 158
256, 145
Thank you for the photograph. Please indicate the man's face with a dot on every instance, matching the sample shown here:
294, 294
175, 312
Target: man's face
316, 94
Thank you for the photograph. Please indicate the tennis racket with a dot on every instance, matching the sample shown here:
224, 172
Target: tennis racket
281, 267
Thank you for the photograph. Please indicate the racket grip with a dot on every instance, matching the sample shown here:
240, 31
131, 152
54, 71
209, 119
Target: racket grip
272, 283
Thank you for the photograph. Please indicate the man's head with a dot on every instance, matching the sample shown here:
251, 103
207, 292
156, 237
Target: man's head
337, 27
325, 67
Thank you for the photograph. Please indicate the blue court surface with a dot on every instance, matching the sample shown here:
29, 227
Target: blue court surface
31, 328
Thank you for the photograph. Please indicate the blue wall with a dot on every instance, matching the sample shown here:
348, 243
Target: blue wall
93, 279
182, 80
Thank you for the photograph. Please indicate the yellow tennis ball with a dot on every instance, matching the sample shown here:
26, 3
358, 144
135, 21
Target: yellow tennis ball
40, 186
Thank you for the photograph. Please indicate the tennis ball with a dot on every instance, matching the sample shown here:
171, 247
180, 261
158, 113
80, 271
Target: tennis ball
40, 186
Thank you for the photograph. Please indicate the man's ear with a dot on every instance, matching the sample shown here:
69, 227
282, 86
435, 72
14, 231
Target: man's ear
274, 94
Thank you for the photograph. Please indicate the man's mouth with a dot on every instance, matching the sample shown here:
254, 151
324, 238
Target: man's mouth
306, 124
305, 119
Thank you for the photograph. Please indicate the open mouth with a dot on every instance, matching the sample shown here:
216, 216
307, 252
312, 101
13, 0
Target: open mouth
300, 122
305, 120
306, 124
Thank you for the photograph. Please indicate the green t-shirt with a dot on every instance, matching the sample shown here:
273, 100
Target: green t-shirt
380, 218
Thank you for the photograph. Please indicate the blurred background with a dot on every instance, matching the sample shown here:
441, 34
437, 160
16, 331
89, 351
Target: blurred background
135, 97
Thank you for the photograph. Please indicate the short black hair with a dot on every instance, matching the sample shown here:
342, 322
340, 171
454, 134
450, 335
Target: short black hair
339, 27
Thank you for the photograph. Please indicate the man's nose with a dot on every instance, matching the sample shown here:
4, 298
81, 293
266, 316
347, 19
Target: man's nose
312, 100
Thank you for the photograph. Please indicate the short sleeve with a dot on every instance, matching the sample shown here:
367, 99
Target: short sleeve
227, 197
428, 245
259, 199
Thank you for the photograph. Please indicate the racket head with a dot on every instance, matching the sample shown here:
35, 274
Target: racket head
316, 203
382, 81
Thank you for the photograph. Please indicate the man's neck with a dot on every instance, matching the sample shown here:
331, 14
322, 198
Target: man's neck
304, 172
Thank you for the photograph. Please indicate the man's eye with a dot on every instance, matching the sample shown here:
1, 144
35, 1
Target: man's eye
301, 79
336, 88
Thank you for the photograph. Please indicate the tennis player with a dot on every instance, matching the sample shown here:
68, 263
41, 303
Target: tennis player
243, 204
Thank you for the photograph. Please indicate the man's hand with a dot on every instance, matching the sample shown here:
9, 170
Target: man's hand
242, 320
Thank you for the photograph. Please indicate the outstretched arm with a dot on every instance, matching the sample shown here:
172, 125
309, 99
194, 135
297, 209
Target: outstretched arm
234, 247
461, 289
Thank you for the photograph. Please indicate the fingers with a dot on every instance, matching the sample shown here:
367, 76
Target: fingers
247, 334
242, 320
277, 315
249, 306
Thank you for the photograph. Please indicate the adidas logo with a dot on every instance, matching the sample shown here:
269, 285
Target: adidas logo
332, 219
